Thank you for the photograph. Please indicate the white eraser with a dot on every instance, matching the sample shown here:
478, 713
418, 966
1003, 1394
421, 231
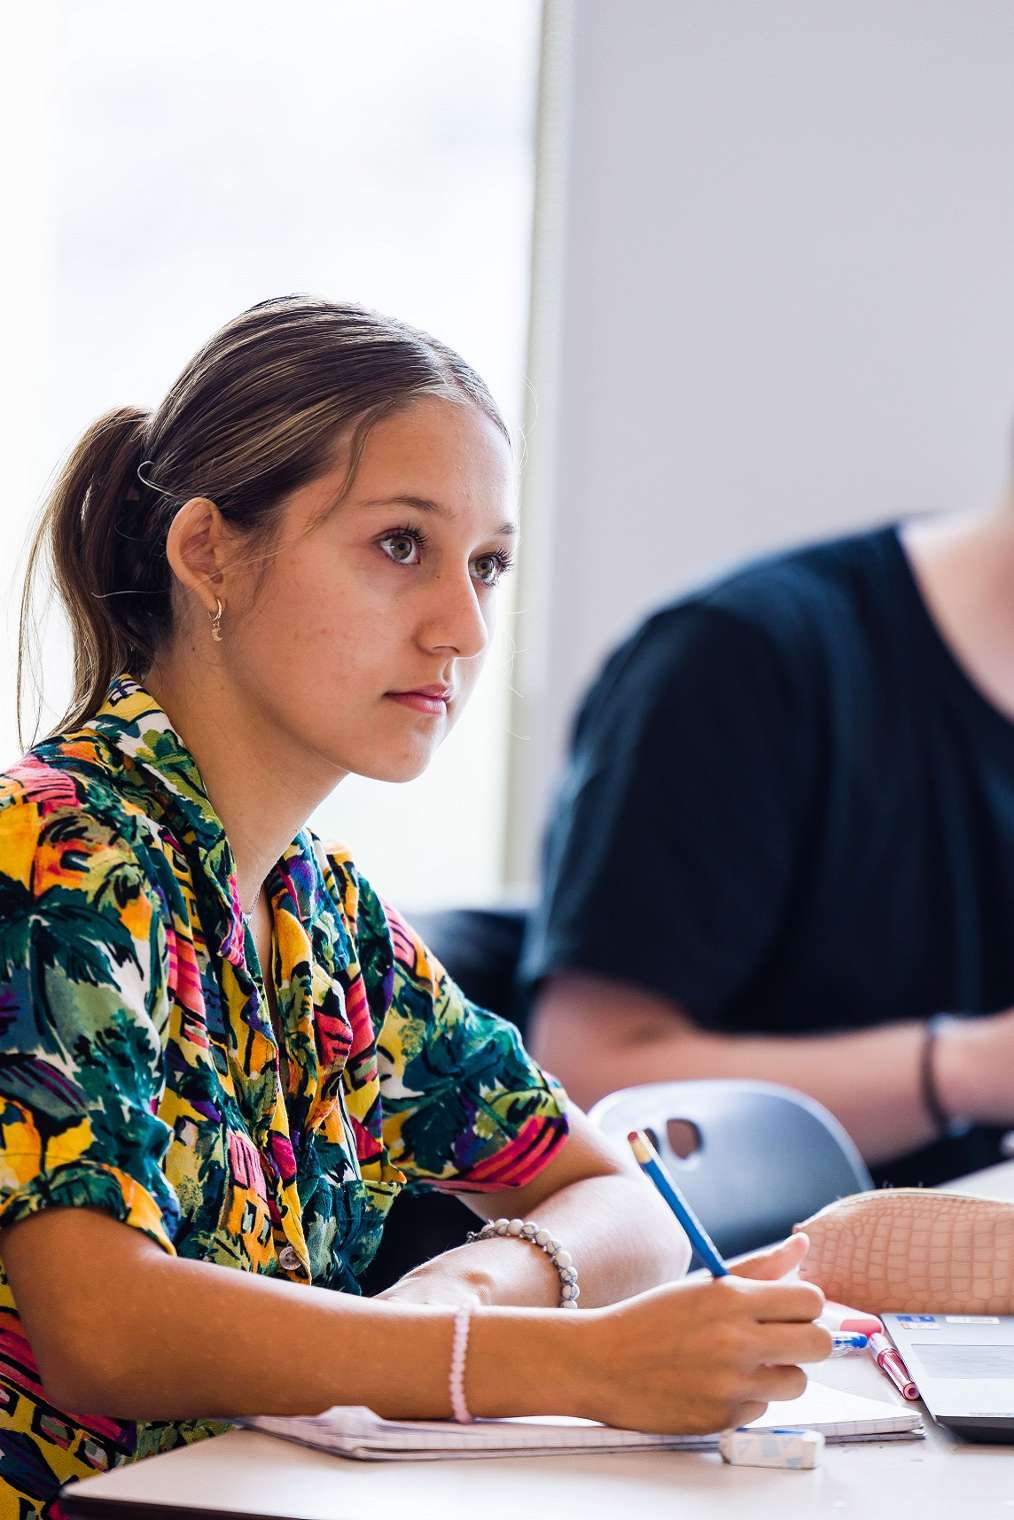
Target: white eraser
786, 1447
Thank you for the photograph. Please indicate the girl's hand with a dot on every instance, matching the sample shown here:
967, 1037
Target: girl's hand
774, 1261
703, 1355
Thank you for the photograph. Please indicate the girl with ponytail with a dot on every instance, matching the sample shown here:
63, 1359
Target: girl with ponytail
221, 1055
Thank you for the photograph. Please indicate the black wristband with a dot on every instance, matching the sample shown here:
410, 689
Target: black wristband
944, 1124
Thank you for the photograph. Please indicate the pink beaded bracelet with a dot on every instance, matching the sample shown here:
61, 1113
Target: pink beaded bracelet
459, 1351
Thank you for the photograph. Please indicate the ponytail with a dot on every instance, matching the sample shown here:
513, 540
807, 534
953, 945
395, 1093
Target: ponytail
91, 536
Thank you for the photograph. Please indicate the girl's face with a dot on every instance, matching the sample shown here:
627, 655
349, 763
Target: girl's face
362, 635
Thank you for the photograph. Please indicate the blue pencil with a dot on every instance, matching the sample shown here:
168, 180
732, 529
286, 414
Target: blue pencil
650, 1163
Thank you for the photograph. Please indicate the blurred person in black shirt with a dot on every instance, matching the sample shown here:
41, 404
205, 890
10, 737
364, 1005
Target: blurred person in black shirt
784, 845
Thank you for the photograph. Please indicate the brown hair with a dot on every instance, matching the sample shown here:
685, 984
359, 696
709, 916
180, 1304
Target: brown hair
256, 413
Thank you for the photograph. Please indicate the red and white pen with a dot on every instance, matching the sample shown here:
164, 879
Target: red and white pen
891, 1364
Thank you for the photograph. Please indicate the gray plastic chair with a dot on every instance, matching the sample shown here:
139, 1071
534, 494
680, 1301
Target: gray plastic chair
767, 1156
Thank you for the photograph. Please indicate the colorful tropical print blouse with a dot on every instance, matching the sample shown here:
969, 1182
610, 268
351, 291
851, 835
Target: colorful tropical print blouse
140, 1074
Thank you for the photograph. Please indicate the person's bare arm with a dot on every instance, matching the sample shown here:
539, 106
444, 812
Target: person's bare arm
119, 1327
594, 1199
74, 1271
598, 1035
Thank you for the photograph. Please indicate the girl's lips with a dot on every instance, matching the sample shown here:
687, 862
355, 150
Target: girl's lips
421, 702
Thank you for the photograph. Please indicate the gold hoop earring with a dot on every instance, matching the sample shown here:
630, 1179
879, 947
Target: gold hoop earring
216, 621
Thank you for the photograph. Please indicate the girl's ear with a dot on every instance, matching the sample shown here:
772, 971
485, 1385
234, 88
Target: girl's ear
196, 551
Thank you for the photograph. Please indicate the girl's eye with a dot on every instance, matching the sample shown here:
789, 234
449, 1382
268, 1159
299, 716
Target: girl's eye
403, 546
488, 568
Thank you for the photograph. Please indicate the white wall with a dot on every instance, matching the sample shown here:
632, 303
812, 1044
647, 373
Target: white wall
775, 300
27, 71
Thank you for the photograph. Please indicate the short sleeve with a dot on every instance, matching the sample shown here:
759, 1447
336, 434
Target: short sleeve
673, 843
466, 1109
83, 1005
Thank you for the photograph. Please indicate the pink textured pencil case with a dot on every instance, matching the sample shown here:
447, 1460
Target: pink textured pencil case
913, 1250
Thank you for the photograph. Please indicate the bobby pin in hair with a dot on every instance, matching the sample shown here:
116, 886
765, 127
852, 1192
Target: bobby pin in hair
150, 483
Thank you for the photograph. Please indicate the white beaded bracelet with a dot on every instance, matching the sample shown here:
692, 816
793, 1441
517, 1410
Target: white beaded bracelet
528, 1230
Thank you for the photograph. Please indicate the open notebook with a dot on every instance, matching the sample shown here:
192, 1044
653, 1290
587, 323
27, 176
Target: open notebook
351, 1430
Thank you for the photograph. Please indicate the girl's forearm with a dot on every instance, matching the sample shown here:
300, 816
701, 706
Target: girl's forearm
621, 1236
141, 1335
119, 1328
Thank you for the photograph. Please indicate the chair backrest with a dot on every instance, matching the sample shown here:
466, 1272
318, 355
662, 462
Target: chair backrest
767, 1156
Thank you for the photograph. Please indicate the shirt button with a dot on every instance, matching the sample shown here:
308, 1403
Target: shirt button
288, 1259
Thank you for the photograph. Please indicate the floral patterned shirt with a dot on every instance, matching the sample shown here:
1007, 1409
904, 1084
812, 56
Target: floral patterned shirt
140, 1073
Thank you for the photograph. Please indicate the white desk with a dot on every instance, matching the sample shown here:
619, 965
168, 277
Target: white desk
243, 1474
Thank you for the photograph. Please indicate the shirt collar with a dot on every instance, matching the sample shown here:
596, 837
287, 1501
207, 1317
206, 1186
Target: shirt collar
132, 720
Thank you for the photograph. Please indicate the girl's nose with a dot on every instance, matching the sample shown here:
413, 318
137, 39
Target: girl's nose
455, 619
